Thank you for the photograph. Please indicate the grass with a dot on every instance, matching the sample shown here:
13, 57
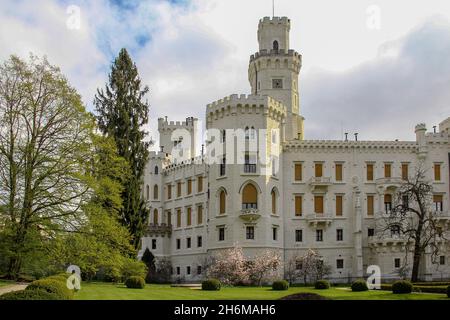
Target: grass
107, 291
4, 283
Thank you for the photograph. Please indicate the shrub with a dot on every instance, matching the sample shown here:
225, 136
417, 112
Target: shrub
211, 285
304, 296
56, 287
359, 285
402, 286
430, 289
133, 268
322, 284
135, 282
36, 294
448, 291
280, 285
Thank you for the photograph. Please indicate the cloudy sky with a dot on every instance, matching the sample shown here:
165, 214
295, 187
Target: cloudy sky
373, 67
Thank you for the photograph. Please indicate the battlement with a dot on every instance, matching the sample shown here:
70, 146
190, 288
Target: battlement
340, 144
164, 124
157, 155
276, 53
274, 20
246, 100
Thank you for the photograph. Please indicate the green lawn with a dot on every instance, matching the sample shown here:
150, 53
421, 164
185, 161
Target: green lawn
4, 283
107, 291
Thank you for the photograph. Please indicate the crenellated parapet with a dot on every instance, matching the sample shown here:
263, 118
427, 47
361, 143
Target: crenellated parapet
334, 145
234, 105
164, 124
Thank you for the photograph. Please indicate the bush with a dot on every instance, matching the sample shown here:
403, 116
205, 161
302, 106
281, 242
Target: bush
359, 285
59, 288
430, 289
135, 282
133, 268
36, 294
402, 286
280, 285
211, 285
448, 291
322, 284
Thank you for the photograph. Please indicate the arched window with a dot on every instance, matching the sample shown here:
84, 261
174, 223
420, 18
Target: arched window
155, 216
156, 170
275, 45
274, 201
147, 192
252, 133
222, 202
247, 133
249, 197
155, 192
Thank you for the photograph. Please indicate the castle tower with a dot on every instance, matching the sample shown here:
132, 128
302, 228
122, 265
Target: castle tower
180, 133
275, 68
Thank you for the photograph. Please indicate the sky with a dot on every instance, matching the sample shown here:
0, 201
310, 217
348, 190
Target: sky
374, 67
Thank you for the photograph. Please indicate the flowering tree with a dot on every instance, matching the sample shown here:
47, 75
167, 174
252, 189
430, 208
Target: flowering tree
312, 266
263, 267
229, 266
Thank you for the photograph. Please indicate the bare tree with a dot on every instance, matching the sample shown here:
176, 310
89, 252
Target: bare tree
414, 218
44, 140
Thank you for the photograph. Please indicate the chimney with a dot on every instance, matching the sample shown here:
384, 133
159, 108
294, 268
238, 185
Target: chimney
346, 136
356, 136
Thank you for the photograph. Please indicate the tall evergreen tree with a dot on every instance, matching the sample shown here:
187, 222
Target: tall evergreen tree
121, 114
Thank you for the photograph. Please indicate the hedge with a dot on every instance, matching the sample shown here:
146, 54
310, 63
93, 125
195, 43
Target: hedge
322, 284
211, 285
36, 294
280, 285
52, 286
448, 291
402, 286
359, 285
135, 282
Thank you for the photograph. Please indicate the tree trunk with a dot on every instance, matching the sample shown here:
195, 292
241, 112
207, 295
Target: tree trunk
416, 264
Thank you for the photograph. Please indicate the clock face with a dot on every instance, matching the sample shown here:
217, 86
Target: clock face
277, 83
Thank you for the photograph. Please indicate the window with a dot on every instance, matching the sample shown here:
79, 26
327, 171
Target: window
318, 170
188, 270
388, 203
189, 186
153, 244
370, 232
395, 231
188, 216
249, 197
222, 202
437, 172
155, 192
370, 208
387, 170
199, 269
275, 45
224, 136
338, 171
252, 133
298, 235
298, 168
222, 167
178, 270
339, 263
397, 262
438, 203
179, 189
155, 216
405, 201
369, 173
199, 241
199, 215
319, 235
339, 206
274, 201
318, 204
442, 260
277, 83
250, 233
156, 170
274, 233
188, 243
221, 234
298, 205
169, 191
178, 218
404, 171
249, 163
200, 184
339, 235
147, 192
169, 218
178, 244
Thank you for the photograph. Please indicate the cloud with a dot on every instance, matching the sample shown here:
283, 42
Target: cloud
384, 98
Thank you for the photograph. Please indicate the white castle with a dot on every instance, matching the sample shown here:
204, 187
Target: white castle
302, 194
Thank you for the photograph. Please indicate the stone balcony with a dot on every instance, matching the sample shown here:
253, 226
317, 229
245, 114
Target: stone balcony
319, 219
392, 181
386, 240
319, 183
159, 230
443, 217
249, 214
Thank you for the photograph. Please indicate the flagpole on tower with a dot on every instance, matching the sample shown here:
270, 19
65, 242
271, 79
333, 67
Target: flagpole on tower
273, 8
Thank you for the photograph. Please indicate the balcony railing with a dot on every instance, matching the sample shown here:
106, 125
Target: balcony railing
249, 168
319, 219
159, 229
396, 181
249, 214
246, 206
